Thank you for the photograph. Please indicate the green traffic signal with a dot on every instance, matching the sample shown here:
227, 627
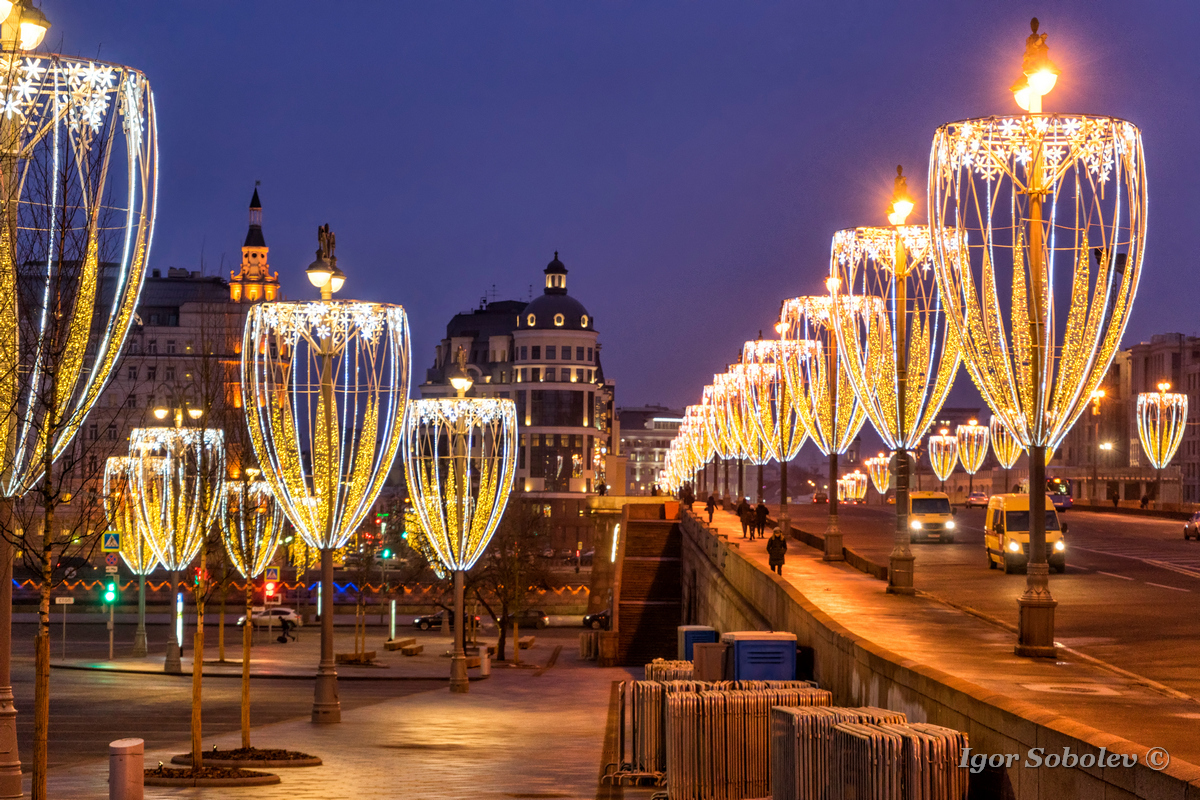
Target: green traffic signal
387, 554
110, 592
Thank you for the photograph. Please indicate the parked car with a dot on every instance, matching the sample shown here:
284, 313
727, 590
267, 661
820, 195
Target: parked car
1191, 528
598, 621
531, 618
435, 621
262, 617
976, 499
820, 497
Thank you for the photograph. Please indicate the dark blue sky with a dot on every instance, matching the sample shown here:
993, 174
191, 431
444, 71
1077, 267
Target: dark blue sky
689, 160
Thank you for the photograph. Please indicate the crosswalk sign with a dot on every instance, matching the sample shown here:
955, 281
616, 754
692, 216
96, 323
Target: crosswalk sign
271, 574
111, 542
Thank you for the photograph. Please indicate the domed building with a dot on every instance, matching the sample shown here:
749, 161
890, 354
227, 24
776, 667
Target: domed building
545, 356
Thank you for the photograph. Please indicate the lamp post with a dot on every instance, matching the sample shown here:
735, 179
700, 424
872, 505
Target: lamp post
459, 460
1030, 190
824, 396
1161, 417
1097, 396
896, 347
325, 387
120, 507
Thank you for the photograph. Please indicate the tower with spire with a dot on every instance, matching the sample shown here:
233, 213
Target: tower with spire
254, 283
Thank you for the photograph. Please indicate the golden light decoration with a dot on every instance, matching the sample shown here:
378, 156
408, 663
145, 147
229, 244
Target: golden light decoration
767, 401
1004, 445
700, 441
325, 445
460, 458
252, 524
419, 540
121, 511
879, 468
1161, 417
79, 196
943, 453
305, 557
1075, 187
852, 487
831, 420
973, 441
715, 396
891, 327
177, 478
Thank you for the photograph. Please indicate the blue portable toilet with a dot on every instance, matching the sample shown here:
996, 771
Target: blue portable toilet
689, 635
762, 655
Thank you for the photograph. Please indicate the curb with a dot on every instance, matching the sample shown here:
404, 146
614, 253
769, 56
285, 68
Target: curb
234, 763
257, 780
260, 676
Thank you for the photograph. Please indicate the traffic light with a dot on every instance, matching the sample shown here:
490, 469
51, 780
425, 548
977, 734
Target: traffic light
386, 553
110, 592
269, 589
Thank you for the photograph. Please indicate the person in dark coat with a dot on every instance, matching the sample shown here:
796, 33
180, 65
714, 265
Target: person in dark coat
711, 506
776, 547
746, 515
760, 518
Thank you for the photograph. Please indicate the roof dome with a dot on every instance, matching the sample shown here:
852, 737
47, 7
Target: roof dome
555, 308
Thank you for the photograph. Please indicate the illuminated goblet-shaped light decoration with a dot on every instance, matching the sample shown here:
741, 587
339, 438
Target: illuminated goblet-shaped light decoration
700, 443
856, 486
1005, 447
972, 449
943, 454
1038, 197
120, 508
418, 540
177, 477
1161, 417
729, 387
896, 346
823, 393
460, 457
770, 404
880, 471
723, 446
325, 387
252, 524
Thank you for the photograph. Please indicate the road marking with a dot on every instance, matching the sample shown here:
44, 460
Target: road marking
1114, 575
1190, 567
1164, 586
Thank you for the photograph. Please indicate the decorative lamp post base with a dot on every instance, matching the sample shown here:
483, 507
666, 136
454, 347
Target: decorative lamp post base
327, 708
458, 675
174, 662
900, 575
1035, 628
833, 544
10, 765
139, 643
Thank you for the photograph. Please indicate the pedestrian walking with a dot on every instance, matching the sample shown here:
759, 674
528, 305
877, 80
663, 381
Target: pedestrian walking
776, 547
1145, 500
746, 515
761, 512
711, 506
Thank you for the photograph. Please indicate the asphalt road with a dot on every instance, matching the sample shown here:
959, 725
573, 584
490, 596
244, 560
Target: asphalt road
1130, 595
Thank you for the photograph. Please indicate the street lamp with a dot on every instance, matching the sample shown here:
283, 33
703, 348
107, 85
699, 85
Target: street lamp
1161, 417
459, 460
1032, 193
896, 347
24, 26
1096, 397
824, 394
325, 387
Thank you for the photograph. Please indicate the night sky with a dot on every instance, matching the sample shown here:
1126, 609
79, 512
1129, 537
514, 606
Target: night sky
688, 160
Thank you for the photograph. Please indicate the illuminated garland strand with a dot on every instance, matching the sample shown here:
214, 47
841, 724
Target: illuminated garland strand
251, 525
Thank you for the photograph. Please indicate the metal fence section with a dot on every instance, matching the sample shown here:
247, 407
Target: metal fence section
896, 762
661, 669
801, 756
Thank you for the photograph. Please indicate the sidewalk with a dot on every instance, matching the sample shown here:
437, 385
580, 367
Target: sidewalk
521, 733
973, 650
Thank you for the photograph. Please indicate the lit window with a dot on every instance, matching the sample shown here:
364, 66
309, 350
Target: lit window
584, 320
559, 319
531, 320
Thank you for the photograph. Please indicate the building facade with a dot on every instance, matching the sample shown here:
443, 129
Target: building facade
646, 435
545, 356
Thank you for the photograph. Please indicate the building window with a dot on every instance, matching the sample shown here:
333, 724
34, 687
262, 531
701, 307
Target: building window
170, 373
550, 376
521, 453
133, 371
522, 376
524, 353
579, 376
503, 376
589, 358
550, 352
584, 320
589, 374
93, 432
151, 373
152, 347
131, 401
537, 374
112, 433
566, 352
135, 346
154, 319
579, 354
556, 408
170, 347
559, 320
537, 352
531, 320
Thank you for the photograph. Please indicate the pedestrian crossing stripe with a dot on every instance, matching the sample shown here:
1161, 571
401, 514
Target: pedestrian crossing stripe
111, 542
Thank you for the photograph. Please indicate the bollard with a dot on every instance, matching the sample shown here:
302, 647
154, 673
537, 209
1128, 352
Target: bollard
126, 765
485, 661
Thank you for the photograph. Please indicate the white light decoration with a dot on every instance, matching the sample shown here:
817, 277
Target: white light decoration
880, 471
972, 448
852, 487
83, 187
251, 526
460, 460
1161, 417
121, 510
769, 402
325, 445
1004, 444
943, 454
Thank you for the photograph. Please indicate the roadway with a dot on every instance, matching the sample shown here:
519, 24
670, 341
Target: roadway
1130, 596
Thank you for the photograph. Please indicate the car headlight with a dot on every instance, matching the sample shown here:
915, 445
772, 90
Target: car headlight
950, 525
1060, 545
1013, 545
915, 525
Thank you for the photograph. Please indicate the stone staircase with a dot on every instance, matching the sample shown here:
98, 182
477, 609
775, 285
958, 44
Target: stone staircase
651, 591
